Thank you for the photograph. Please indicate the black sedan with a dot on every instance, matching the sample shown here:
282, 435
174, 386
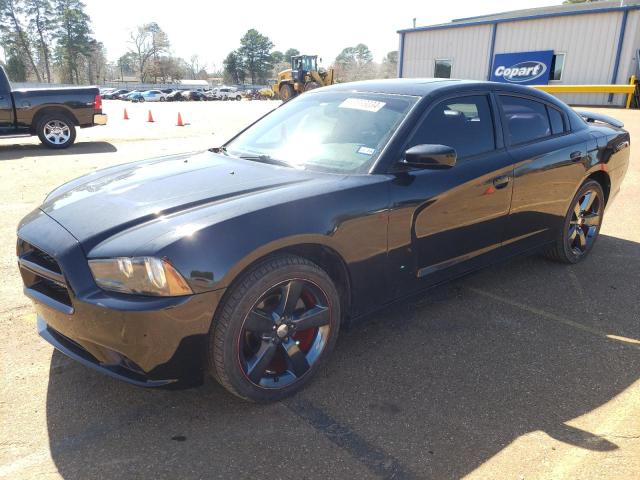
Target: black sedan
243, 261
175, 96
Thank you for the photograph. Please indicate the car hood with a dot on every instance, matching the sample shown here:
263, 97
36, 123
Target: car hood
99, 205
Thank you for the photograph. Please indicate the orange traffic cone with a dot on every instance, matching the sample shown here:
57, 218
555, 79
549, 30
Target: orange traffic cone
180, 124
126, 115
150, 117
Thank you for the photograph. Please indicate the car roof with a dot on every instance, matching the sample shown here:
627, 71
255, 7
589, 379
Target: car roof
426, 86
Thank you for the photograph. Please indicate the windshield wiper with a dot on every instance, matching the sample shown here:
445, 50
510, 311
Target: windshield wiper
265, 159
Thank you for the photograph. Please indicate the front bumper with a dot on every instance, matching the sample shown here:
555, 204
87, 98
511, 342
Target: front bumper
146, 341
100, 118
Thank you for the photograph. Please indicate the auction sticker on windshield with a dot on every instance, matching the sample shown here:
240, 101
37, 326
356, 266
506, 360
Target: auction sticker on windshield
362, 104
367, 150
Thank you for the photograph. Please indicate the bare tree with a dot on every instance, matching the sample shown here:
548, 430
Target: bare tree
148, 42
43, 21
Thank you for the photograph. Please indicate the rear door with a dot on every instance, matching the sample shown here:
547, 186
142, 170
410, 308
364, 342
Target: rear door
446, 221
548, 167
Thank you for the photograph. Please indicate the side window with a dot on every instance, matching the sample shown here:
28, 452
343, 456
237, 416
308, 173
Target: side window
526, 120
442, 68
464, 123
557, 66
555, 117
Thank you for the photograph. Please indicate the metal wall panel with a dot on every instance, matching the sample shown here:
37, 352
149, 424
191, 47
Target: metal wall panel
629, 47
630, 44
589, 42
467, 47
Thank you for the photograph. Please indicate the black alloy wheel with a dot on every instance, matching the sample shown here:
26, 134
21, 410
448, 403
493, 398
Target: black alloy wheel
274, 329
284, 334
581, 226
585, 222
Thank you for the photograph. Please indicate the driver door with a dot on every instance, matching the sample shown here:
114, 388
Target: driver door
444, 222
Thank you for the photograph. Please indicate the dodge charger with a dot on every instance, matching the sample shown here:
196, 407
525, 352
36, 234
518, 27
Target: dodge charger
242, 262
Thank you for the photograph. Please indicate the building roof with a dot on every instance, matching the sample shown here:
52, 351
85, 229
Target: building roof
193, 82
535, 13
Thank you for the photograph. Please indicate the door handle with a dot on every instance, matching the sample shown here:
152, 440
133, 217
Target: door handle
501, 181
575, 156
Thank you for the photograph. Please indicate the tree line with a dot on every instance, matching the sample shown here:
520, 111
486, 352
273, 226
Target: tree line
52, 41
256, 60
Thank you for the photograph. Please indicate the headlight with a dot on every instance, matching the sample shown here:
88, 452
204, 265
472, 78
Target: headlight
141, 275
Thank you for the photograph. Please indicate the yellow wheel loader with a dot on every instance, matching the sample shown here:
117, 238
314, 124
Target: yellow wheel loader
303, 75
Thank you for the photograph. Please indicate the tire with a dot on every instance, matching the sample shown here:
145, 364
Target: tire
141, 100
248, 331
286, 92
311, 86
238, 98
581, 225
162, 99
56, 130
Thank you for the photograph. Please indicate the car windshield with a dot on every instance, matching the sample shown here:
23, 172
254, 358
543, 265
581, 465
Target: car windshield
341, 132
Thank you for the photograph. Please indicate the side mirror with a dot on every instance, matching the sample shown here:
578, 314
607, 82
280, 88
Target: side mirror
430, 156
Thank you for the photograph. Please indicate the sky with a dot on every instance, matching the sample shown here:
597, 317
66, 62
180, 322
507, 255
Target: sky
211, 29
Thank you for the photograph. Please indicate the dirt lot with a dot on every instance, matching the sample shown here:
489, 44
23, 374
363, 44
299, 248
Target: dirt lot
524, 370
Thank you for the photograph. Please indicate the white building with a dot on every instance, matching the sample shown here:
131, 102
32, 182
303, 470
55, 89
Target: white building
193, 84
579, 44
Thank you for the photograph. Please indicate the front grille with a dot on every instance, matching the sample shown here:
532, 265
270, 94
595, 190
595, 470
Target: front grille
44, 259
42, 273
53, 290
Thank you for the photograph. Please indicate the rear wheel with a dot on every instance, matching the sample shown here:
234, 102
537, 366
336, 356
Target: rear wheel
286, 92
274, 329
581, 225
238, 97
56, 130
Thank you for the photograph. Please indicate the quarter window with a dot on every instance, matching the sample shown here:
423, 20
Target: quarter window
464, 123
526, 120
557, 66
555, 117
442, 68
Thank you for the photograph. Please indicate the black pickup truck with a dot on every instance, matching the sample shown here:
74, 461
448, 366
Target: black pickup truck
51, 113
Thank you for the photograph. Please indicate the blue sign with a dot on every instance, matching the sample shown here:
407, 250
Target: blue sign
523, 68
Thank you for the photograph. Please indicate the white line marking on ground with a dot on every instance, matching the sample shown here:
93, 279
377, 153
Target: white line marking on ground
557, 318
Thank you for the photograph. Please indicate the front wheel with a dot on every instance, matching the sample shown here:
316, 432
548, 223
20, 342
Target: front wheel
56, 130
238, 98
274, 329
581, 225
286, 92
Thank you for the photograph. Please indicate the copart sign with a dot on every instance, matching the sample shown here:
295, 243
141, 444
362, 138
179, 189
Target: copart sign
524, 68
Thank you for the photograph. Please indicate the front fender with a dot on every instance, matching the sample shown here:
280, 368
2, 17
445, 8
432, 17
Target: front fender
212, 257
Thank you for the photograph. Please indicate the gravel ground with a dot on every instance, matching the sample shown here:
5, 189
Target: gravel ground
524, 370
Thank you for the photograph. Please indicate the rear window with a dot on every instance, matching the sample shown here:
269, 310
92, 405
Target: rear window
527, 120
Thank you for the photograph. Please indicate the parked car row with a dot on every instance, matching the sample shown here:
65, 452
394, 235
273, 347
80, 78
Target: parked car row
171, 95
